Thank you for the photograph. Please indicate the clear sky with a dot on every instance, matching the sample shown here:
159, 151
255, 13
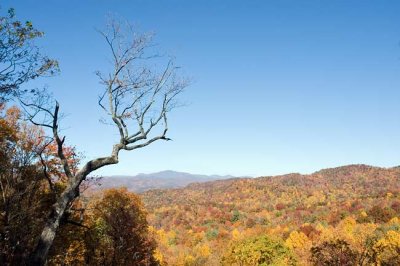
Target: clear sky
279, 86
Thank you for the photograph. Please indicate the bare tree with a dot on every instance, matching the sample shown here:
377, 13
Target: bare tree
137, 98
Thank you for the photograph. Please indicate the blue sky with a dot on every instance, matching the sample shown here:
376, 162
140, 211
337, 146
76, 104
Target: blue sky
278, 86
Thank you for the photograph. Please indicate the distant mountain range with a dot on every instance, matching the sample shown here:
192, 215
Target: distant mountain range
164, 179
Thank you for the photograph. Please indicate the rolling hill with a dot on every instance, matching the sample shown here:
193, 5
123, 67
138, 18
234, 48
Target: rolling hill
160, 180
329, 203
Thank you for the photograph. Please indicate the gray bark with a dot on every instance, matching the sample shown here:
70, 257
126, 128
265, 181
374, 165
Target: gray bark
46, 239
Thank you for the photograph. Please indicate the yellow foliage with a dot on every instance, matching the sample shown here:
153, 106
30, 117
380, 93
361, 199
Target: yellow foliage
235, 234
394, 221
158, 256
310, 201
171, 235
360, 235
184, 259
319, 227
327, 233
298, 240
346, 228
388, 247
348, 223
203, 250
188, 260
301, 245
162, 237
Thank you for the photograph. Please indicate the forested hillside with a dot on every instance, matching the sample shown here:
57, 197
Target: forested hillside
351, 208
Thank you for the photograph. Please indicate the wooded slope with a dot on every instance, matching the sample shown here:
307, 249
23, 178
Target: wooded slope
197, 223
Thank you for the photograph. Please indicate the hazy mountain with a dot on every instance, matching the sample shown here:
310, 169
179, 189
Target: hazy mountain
159, 180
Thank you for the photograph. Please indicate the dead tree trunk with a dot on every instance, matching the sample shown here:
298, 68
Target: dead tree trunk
46, 239
134, 96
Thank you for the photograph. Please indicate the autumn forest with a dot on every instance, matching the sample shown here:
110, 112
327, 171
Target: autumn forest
55, 211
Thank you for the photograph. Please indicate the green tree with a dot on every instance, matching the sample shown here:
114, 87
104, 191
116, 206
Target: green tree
20, 59
260, 250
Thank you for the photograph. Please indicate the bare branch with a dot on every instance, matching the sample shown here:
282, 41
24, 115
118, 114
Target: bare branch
41, 107
139, 97
44, 164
